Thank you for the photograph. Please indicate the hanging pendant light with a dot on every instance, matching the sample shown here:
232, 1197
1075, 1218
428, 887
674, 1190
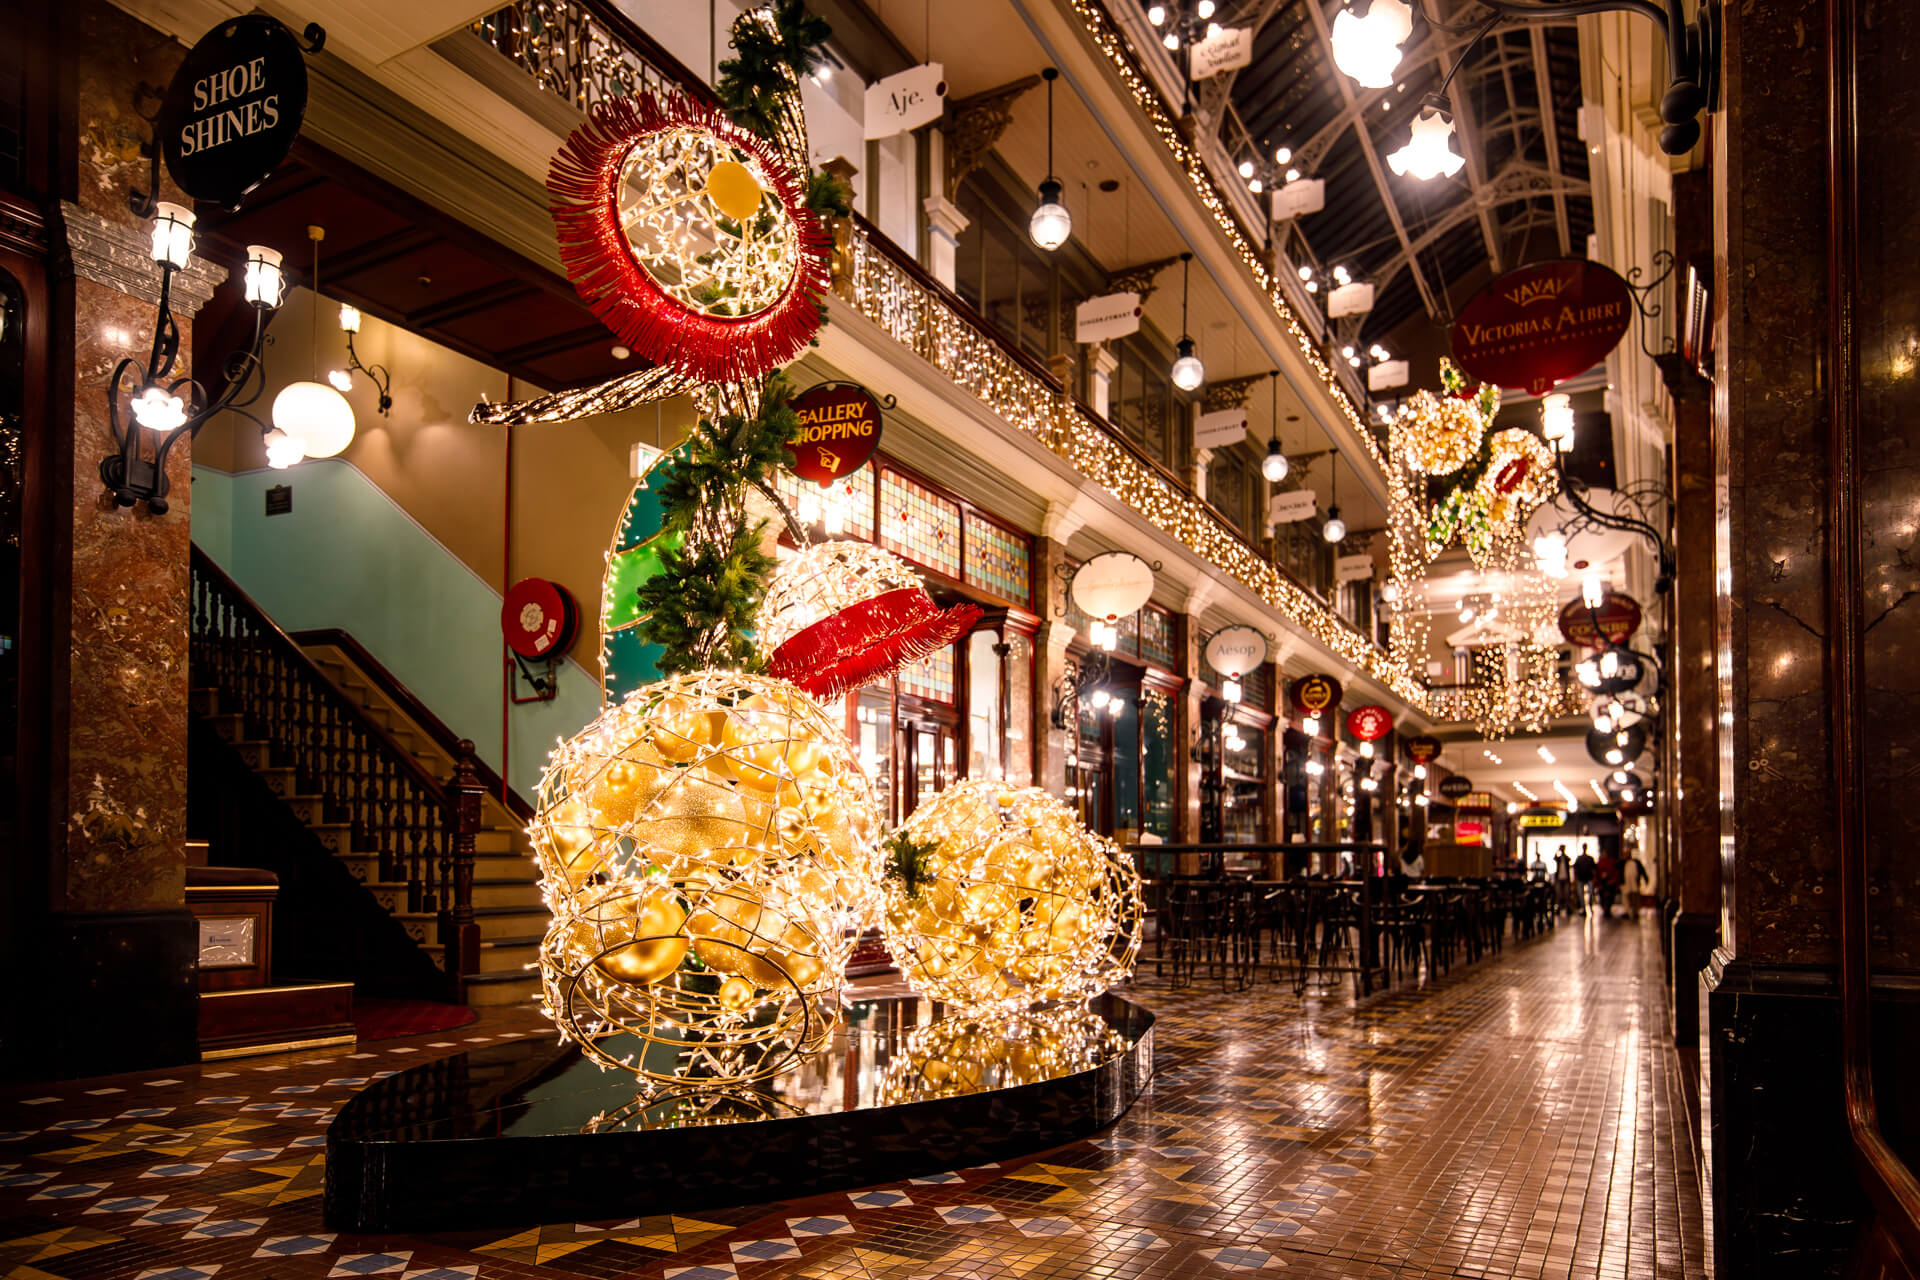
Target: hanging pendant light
1187, 372
1427, 154
312, 415
1051, 224
1274, 465
1335, 528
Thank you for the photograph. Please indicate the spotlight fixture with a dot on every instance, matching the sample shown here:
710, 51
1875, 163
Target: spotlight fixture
1187, 372
1051, 224
1274, 465
179, 408
1428, 154
342, 379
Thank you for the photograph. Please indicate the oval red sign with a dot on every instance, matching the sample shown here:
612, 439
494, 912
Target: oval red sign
1369, 723
1613, 623
839, 430
1542, 324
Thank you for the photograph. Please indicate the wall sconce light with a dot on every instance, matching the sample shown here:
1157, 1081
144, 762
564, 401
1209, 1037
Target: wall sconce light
180, 407
342, 379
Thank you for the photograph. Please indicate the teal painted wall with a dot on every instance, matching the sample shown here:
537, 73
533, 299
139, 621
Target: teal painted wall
348, 557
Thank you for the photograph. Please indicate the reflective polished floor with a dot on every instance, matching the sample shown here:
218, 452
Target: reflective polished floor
1521, 1117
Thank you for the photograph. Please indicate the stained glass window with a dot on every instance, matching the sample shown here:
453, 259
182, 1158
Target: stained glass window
1156, 638
931, 677
852, 495
997, 560
919, 524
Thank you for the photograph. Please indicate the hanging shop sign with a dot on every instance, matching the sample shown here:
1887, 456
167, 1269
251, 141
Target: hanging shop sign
1617, 746
1389, 374
1112, 585
1455, 786
1469, 831
1613, 623
1423, 749
1354, 299
1234, 651
839, 431
1315, 693
1629, 669
1543, 818
1221, 429
540, 619
1369, 723
1299, 198
1542, 324
1353, 568
1111, 315
1292, 506
1475, 802
1224, 49
233, 109
906, 100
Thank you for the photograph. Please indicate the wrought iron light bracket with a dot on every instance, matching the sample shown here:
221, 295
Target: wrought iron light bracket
376, 374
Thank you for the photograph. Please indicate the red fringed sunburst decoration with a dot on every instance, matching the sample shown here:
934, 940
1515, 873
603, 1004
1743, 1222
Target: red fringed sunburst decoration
689, 237
865, 641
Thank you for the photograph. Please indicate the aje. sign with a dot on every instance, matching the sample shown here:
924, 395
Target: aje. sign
906, 100
233, 109
1542, 324
839, 430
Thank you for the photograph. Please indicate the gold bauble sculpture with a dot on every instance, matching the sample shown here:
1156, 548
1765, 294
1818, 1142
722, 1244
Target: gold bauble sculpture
998, 898
962, 1055
708, 850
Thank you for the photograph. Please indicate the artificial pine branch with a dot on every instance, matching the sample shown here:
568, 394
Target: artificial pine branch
769, 64
700, 608
908, 861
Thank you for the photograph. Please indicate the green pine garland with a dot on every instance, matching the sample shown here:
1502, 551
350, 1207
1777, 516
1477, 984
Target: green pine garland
907, 861
700, 608
770, 62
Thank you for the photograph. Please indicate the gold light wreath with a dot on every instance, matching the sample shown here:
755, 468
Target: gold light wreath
1015, 903
961, 1055
1441, 433
708, 852
1520, 475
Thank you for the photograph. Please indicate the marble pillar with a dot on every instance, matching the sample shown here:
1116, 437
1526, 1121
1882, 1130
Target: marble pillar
1787, 1200
945, 222
119, 946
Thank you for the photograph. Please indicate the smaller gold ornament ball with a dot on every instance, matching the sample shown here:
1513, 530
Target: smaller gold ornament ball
708, 851
1009, 902
734, 190
1439, 434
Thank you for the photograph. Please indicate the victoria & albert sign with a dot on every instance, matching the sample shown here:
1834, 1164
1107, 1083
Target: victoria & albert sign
1542, 324
233, 109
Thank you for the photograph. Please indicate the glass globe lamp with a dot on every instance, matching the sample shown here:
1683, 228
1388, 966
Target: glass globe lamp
1335, 528
1051, 224
316, 415
1274, 465
1187, 372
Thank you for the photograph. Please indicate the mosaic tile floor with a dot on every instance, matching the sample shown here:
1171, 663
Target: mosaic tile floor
1519, 1118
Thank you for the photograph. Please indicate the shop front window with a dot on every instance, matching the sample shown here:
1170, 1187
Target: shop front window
1125, 751
1157, 792
986, 714
1018, 670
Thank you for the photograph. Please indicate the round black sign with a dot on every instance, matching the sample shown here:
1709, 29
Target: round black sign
1455, 786
233, 109
1617, 747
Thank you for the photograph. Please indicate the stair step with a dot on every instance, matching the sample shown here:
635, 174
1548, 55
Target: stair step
494, 990
504, 891
500, 955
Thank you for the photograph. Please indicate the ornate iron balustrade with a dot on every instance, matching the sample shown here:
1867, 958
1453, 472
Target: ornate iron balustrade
584, 52
421, 829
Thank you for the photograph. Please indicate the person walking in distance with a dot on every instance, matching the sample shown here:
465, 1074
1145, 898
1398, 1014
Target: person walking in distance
1637, 878
1583, 869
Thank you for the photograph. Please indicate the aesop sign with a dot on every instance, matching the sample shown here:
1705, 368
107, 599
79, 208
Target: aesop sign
233, 109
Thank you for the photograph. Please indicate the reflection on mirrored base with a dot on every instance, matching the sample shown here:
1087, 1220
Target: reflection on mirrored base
531, 1132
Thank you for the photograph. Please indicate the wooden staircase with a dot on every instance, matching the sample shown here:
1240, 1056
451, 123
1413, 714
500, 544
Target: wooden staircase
431, 833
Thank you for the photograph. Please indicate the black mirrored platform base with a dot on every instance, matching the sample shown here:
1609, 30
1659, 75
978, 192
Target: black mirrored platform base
528, 1132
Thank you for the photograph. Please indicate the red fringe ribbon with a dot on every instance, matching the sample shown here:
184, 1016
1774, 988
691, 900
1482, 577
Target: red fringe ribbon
584, 183
865, 641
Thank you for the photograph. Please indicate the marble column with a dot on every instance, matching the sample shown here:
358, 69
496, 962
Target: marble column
945, 222
119, 946
1693, 781
1787, 1199
1104, 364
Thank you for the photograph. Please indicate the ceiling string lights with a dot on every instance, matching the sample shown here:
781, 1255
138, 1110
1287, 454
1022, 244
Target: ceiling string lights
1187, 372
311, 419
1051, 224
1274, 465
177, 409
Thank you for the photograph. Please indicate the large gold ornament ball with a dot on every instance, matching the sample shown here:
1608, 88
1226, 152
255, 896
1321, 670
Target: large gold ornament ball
1441, 434
1015, 904
708, 851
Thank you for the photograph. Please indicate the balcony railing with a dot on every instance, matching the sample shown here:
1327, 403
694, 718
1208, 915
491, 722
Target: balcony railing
584, 50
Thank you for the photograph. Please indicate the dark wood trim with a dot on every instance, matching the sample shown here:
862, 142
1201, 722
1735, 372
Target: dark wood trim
415, 710
466, 304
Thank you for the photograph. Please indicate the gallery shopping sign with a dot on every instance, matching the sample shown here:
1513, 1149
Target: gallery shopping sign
839, 431
233, 109
1542, 324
